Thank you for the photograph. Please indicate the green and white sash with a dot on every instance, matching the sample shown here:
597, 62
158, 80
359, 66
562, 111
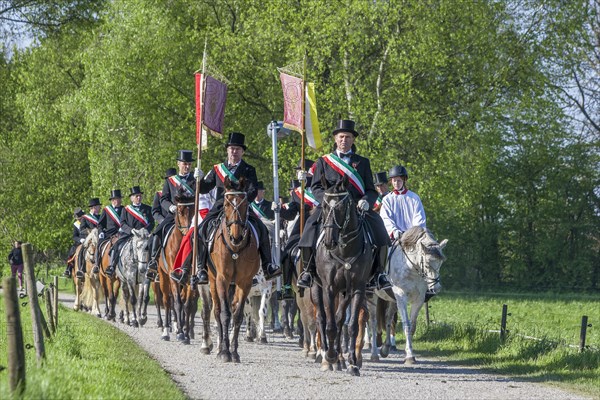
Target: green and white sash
113, 214
178, 182
137, 215
343, 168
258, 211
92, 218
222, 171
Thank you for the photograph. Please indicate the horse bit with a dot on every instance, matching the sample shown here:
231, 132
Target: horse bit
237, 221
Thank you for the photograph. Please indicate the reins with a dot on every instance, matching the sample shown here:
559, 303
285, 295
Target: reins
182, 229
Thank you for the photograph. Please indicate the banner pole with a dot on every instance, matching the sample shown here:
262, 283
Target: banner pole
303, 133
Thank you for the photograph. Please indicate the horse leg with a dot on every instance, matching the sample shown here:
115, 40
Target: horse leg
262, 315
401, 300
178, 307
238, 317
357, 301
207, 344
331, 354
126, 296
158, 303
225, 319
342, 311
372, 306
144, 300
166, 301
390, 312
275, 314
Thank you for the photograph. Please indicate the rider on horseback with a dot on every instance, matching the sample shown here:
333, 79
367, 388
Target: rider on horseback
183, 182
234, 168
135, 216
381, 185
330, 169
78, 239
89, 222
110, 223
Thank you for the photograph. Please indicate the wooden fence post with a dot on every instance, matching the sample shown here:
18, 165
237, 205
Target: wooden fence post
503, 323
55, 302
49, 311
14, 333
583, 331
33, 302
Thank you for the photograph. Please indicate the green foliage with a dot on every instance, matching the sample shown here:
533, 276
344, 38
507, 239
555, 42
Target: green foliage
83, 361
465, 330
469, 96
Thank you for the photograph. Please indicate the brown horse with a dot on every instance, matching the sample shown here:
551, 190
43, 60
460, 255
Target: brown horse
110, 284
234, 260
168, 294
87, 290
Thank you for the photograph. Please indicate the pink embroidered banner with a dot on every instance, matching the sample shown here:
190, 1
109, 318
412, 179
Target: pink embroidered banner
292, 98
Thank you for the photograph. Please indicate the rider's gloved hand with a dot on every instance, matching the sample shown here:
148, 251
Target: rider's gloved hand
363, 205
275, 206
301, 176
101, 235
172, 208
81, 241
198, 174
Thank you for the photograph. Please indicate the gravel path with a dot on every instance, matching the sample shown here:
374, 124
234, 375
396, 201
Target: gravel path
278, 370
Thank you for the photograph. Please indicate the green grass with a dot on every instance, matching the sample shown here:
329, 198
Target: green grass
87, 358
460, 332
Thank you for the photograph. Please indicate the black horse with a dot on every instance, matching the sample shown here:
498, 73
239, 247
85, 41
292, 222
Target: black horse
343, 259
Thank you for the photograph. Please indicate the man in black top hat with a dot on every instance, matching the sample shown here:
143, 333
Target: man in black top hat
234, 168
330, 169
381, 185
158, 212
88, 222
110, 223
180, 182
78, 238
135, 216
262, 207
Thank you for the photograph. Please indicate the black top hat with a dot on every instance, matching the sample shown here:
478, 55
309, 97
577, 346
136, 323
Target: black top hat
398, 170
294, 184
94, 202
345, 125
260, 185
170, 172
380, 178
185, 156
78, 212
115, 194
135, 190
307, 164
236, 139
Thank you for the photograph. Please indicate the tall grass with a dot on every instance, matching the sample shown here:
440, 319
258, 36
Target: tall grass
463, 330
87, 358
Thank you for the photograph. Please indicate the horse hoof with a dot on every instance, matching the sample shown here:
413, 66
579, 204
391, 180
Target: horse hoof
249, 339
393, 348
410, 361
185, 341
205, 350
318, 358
301, 342
353, 370
326, 367
235, 358
180, 337
99, 315
374, 357
385, 351
339, 366
331, 357
135, 324
159, 325
165, 338
143, 321
263, 340
224, 356
312, 354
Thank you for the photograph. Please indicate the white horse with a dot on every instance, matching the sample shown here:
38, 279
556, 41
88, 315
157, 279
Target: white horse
131, 271
255, 309
415, 269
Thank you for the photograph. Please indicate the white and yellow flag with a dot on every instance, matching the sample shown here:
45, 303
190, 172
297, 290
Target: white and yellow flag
311, 122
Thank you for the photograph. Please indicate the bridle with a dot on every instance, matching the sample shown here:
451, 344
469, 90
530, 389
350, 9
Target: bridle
420, 269
183, 229
238, 219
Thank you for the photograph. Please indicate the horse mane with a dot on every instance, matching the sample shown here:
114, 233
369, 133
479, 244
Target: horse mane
182, 197
411, 237
91, 237
241, 185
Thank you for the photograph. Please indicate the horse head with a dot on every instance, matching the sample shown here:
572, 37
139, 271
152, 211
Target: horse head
425, 254
185, 211
339, 213
90, 244
141, 253
235, 210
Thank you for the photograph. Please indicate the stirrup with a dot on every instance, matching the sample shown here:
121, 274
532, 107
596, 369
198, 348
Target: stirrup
305, 280
271, 271
179, 277
96, 269
109, 271
80, 274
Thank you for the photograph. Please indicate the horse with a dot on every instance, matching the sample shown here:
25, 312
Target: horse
87, 290
343, 260
306, 308
131, 271
110, 284
255, 310
233, 260
414, 270
382, 311
182, 299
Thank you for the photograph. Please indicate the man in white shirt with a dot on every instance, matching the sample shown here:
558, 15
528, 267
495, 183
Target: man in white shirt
401, 209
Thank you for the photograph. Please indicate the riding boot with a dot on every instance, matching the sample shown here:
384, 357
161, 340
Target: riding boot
306, 277
68, 270
380, 279
81, 270
155, 246
202, 275
269, 269
113, 261
286, 292
96, 268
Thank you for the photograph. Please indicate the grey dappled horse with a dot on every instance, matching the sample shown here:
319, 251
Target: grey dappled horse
415, 269
131, 271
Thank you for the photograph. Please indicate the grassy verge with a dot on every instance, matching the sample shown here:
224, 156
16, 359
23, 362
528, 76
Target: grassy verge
461, 333
87, 358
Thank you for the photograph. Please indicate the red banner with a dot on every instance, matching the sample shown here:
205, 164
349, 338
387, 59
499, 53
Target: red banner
215, 96
292, 98
198, 108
